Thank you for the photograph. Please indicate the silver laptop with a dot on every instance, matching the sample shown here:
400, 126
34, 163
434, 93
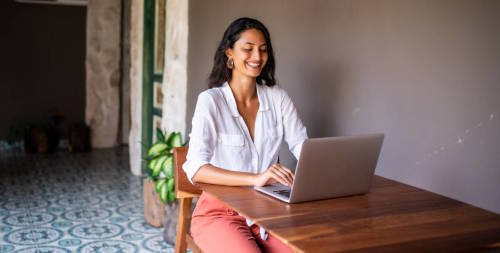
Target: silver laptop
331, 167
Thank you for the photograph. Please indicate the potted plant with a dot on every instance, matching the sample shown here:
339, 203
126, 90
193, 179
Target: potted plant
158, 186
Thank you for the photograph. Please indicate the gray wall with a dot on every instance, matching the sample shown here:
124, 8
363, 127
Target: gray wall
425, 73
42, 66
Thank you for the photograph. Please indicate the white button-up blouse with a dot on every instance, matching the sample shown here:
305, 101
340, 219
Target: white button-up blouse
220, 137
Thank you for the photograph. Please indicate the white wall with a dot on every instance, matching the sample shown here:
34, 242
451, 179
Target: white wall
423, 72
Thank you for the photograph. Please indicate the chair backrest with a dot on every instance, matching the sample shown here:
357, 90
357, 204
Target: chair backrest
183, 188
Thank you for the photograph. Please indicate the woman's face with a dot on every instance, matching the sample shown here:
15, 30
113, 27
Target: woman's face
249, 53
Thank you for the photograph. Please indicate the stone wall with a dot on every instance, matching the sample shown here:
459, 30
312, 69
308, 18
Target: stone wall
103, 71
125, 73
175, 77
136, 36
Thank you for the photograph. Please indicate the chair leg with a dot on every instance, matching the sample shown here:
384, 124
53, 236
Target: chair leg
183, 225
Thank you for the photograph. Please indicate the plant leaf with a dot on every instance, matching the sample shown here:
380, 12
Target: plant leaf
159, 184
164, 193
159, 165
170, 184
168, 167
161, 162
169, 139
156, 149
174, 140
152, 163
159, 135
171, 196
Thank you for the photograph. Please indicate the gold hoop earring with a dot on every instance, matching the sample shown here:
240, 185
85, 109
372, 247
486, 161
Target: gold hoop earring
230, 63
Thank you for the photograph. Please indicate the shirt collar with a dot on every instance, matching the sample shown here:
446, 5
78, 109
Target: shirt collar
231, 102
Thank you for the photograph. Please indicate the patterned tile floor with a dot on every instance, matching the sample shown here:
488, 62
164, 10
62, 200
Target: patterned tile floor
81, 202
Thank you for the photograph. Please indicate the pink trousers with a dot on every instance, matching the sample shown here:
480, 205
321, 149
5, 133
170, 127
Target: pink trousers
217, 228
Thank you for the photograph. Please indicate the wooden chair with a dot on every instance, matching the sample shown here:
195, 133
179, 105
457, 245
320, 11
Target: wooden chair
185, 192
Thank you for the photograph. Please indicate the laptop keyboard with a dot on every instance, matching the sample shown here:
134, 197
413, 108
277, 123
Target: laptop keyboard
285, 193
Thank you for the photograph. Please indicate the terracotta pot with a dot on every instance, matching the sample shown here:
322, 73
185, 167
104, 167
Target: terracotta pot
153, 207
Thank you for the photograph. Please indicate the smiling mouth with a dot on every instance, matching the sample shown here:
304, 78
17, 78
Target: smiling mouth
253, 65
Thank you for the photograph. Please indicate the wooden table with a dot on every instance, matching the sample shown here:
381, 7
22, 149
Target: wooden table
393, 217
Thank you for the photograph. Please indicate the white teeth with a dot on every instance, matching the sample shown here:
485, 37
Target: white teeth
253, 65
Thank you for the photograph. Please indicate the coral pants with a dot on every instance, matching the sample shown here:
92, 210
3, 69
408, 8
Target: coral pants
217, 228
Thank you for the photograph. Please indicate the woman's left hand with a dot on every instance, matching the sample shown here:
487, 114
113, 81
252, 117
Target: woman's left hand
275, 173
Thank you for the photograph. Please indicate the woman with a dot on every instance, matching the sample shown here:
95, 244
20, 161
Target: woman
237, 128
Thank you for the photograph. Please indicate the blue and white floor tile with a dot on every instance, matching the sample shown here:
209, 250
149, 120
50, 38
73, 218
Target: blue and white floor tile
81, 202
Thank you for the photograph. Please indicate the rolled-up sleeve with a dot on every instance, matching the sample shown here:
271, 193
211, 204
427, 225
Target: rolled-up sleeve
202, 137
294, 131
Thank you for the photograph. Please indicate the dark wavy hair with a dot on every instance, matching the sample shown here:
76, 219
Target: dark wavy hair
220, 73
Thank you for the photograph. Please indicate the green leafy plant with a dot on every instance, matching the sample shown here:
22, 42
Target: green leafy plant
160, 161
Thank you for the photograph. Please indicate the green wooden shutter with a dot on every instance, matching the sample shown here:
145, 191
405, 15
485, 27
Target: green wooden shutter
153, 65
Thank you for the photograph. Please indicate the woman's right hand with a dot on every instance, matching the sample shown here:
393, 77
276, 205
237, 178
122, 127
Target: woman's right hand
275, 173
